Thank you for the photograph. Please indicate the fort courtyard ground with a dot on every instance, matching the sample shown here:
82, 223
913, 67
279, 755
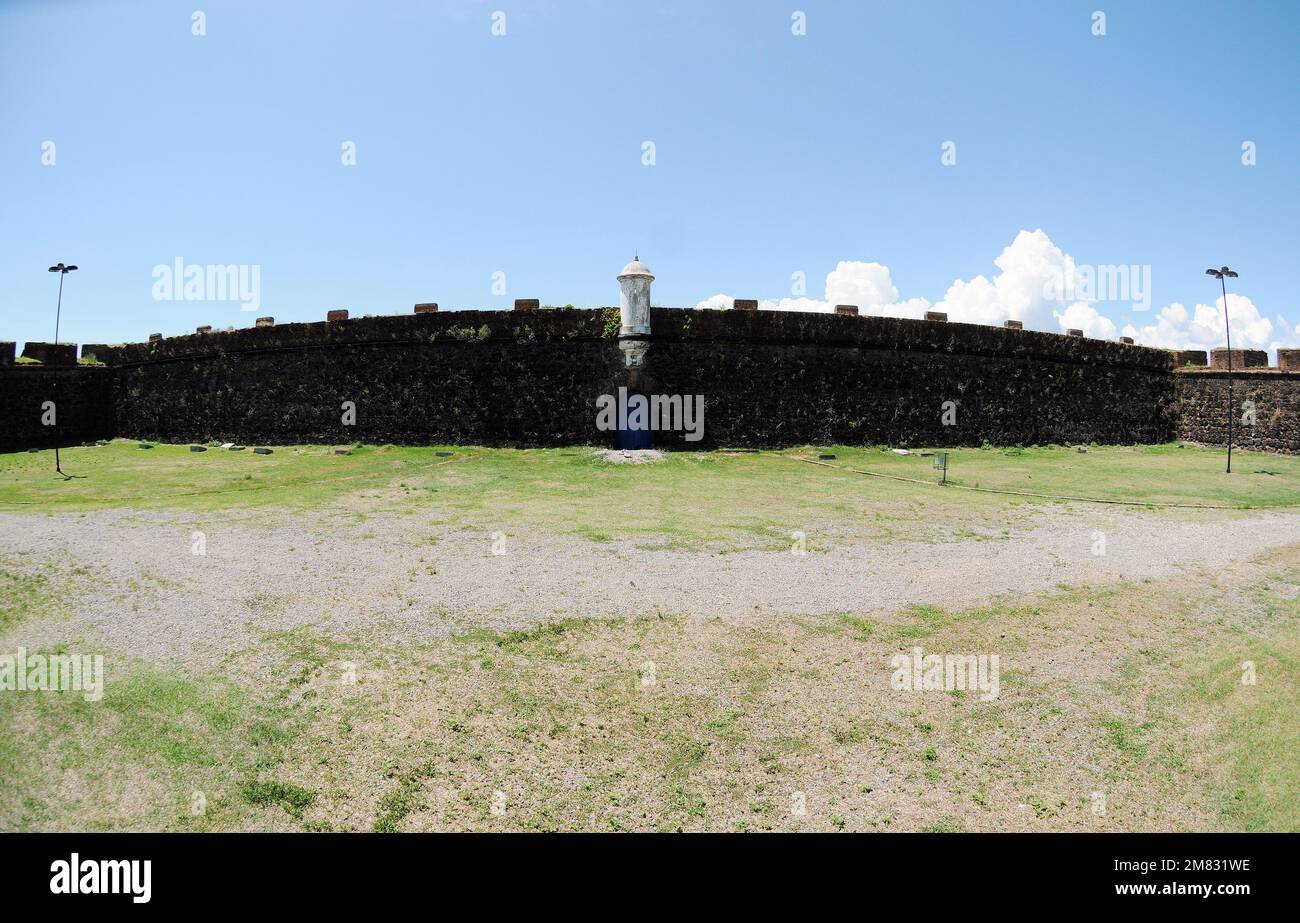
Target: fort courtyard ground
453, 637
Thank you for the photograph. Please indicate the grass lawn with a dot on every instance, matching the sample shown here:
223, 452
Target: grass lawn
1128, 688
689, 499
1157, 475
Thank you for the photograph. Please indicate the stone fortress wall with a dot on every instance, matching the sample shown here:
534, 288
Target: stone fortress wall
532, 377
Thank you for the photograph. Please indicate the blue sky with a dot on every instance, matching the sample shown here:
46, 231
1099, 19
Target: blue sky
774, 154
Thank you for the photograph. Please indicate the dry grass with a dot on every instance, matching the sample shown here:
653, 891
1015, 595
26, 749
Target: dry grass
762, 721
1133, 691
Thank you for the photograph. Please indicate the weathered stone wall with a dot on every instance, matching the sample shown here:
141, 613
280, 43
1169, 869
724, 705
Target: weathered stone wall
51, 353
1203, 408
83, 405
532, 378
490, 378
774, 379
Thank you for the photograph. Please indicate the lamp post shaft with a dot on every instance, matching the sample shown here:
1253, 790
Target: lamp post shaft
1227, 327
59, 309
58, 312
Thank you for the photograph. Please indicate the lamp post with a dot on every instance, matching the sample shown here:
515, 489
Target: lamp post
1222, 274
58, 311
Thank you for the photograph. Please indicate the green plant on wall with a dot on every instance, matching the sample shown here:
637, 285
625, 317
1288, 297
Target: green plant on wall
613, 322
467, 334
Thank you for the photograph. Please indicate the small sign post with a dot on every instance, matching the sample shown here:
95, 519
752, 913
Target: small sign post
941, 464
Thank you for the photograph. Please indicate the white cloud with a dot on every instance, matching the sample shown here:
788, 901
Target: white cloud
1031, 285
1028, 267
862, 284
1202, 327
717, 302
1085, 317
1031, 266
867, 285
912, 307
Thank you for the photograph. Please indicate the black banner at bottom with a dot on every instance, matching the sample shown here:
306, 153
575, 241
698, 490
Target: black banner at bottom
305, 871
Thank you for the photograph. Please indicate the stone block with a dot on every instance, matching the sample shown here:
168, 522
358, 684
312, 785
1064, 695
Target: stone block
51, 353
1186, 357
1241, 358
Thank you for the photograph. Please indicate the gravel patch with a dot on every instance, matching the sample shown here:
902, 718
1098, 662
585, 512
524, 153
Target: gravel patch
148, 594
631, 456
